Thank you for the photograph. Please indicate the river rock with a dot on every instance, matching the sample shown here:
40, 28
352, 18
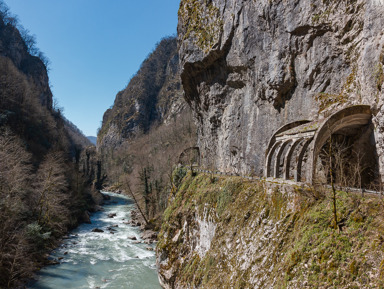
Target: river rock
149, 234
52, 262
106, 197
97, 230
149, 248
98, 208
111, 215
132, 238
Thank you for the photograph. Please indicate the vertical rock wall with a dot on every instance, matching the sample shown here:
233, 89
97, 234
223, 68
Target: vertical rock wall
249, 67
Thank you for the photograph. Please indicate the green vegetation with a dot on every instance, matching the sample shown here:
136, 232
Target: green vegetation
326, 100
201, 21
272, 235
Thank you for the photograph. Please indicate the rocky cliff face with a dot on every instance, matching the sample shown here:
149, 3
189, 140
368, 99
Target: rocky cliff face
249, 67
152, 95
13, 47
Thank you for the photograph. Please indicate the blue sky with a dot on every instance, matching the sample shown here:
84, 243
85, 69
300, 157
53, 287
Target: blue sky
95, 47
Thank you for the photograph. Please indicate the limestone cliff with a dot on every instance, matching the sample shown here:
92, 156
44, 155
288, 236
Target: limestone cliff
250, 67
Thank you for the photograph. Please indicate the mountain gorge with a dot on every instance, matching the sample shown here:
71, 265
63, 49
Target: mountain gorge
42, 191
251, 143
147, 128
288, 95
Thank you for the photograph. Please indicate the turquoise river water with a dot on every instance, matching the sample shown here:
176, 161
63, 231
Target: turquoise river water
102, 260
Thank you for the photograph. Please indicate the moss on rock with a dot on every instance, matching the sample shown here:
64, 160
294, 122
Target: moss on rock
201, 21
269, 235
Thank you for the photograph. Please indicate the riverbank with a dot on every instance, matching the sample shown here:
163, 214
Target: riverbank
107, 253
149, 232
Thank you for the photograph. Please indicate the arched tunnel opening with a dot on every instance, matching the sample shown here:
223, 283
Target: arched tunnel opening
349, 158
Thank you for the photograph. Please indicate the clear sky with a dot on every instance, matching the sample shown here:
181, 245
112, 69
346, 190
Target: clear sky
95, 47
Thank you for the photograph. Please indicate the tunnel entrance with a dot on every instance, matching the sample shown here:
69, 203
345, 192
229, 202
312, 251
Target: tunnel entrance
349, 154
342, 146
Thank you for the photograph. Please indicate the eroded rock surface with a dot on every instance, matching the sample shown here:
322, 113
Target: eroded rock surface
249, 67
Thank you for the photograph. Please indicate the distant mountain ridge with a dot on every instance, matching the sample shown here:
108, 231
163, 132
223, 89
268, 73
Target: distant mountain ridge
92, 139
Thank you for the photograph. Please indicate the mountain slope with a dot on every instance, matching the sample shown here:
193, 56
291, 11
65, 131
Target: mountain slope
92, 139
146, 130
151, 96
42, 192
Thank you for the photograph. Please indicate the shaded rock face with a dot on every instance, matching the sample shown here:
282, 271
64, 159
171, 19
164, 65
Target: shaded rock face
153, 95
249, 67
13, 47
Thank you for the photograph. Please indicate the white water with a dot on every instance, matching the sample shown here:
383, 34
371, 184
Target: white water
102, 260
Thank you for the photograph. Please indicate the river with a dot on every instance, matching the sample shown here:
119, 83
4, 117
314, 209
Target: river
102, 260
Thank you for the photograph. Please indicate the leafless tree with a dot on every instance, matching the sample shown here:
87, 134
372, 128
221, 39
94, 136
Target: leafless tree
51, 185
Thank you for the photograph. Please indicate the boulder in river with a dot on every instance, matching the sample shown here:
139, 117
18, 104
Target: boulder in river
132, 238
97, 230
111, 215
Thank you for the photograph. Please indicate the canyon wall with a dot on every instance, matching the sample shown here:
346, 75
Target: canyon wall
250, 67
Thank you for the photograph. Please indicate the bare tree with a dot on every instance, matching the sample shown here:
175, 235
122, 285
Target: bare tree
51, 185
127, 187
335, 225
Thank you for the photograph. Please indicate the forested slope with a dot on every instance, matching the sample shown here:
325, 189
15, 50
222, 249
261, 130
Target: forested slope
144, 132
42, 193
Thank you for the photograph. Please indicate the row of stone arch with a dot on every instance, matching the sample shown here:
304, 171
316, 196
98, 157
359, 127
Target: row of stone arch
293, 149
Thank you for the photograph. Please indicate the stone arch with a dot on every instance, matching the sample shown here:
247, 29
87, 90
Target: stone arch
346, 119
305, 139
288, 157
280, 152
299, 164
273, 145
190, 156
